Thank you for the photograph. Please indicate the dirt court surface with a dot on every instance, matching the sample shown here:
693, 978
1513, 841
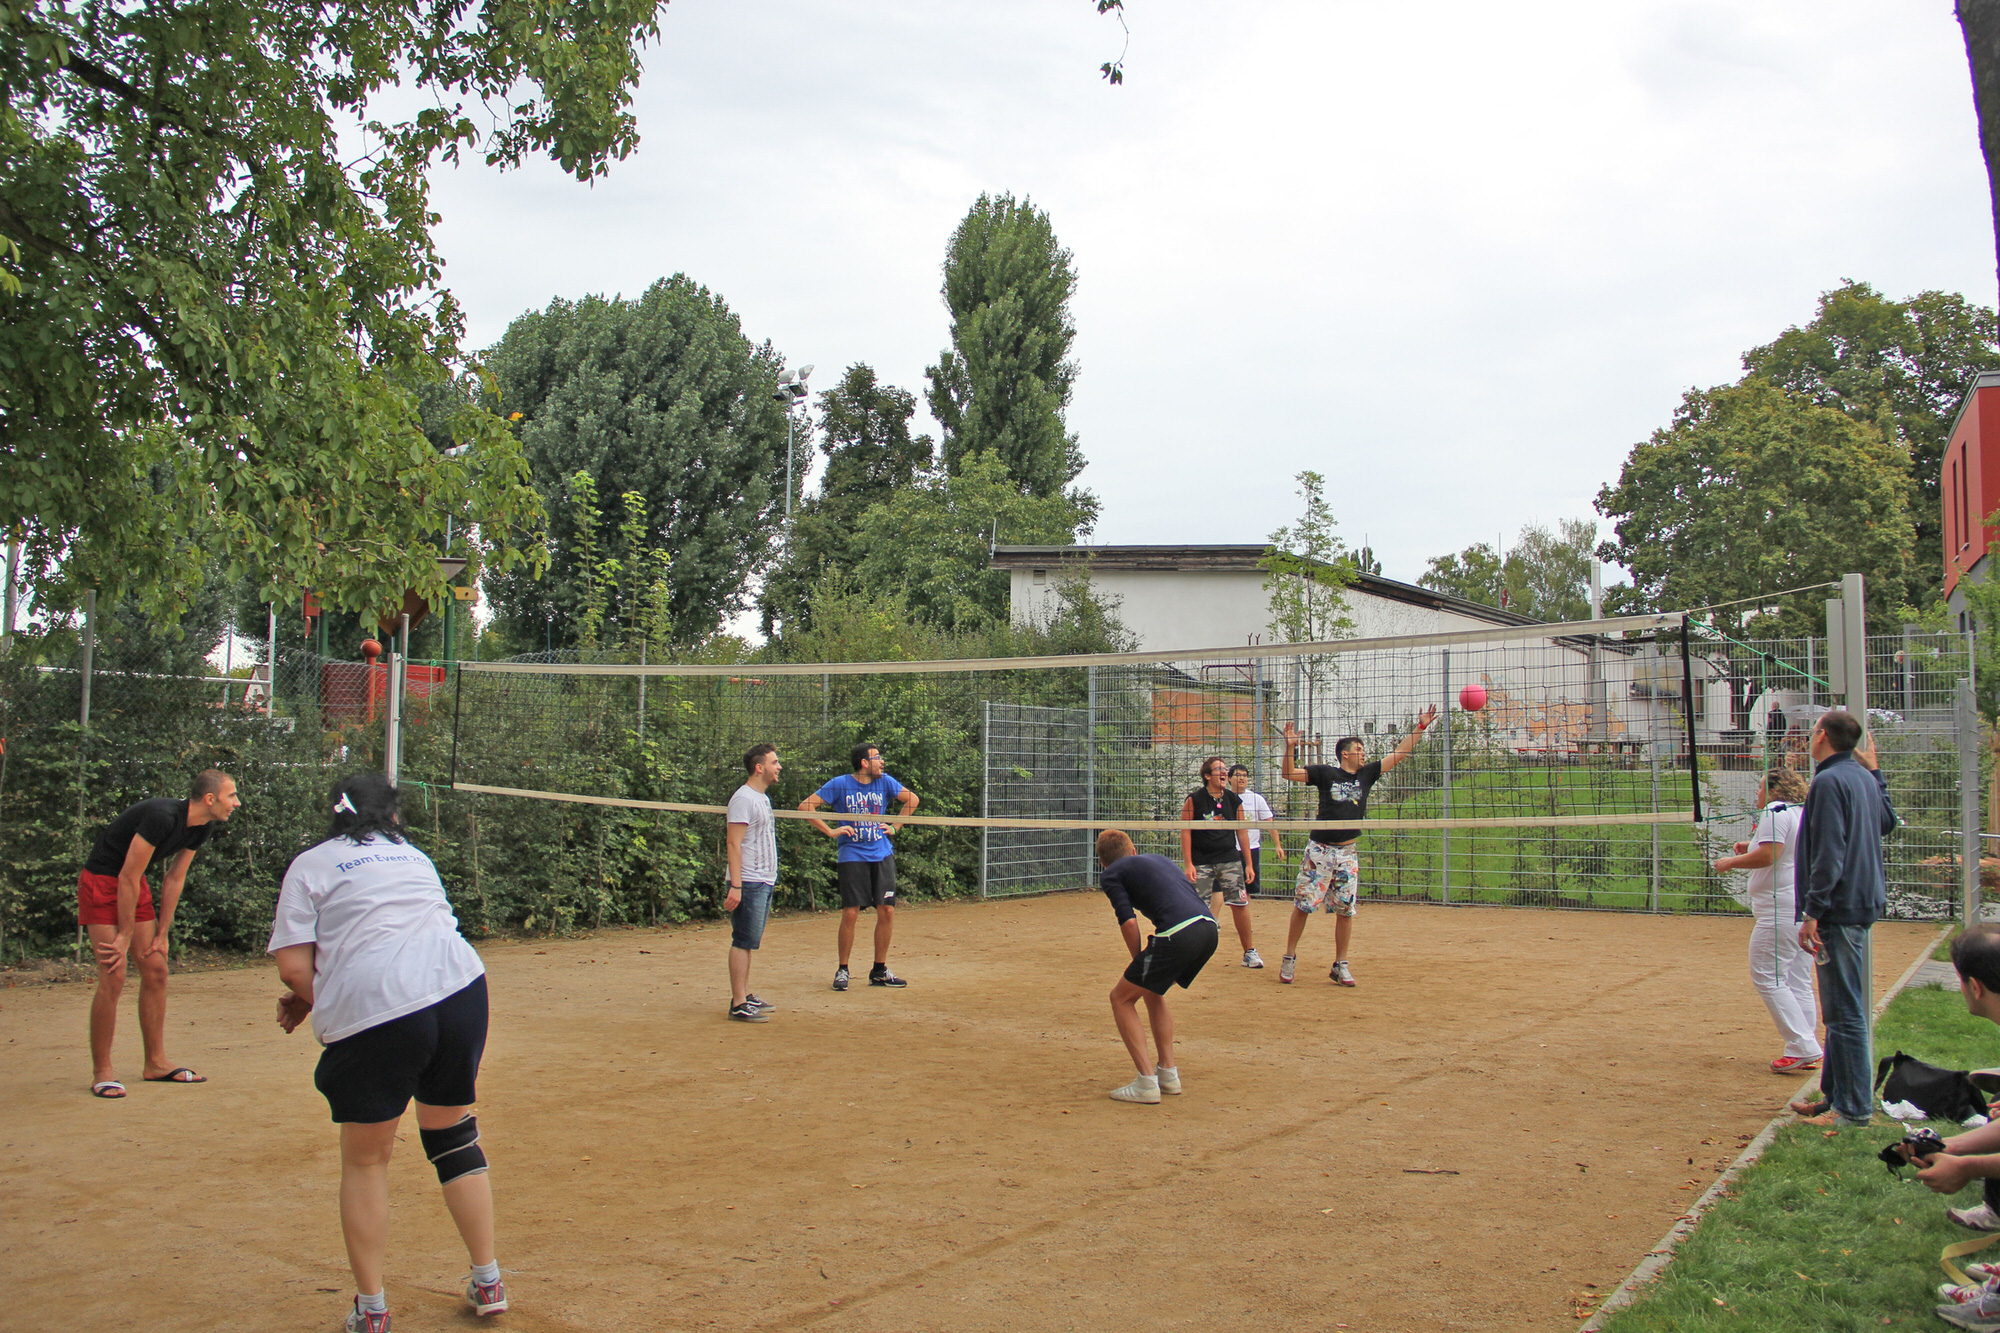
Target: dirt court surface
1487, 1133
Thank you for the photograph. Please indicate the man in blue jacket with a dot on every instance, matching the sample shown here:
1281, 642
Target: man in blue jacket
1842, 894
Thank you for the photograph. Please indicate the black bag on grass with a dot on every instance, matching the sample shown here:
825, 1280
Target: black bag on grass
1941, 1094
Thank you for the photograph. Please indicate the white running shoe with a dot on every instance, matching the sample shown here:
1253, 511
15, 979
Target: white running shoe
1287, 967
1978, 1217
1140, 1089
485, 1298
1250, 958
1340, 975
1170, 1080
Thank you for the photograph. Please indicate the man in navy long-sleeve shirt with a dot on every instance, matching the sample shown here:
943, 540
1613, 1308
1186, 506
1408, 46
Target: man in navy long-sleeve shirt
1184, 939
1842, 894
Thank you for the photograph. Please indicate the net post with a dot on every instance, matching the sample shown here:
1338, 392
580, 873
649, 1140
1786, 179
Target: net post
457, 711
1090, 772
1966, 729
1444, 737
642, 692
985, 792
1687, 711
1653, 754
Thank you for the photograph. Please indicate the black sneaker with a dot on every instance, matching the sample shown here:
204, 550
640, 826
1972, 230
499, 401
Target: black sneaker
765, 1005
747, 1012
840, 977
882, 976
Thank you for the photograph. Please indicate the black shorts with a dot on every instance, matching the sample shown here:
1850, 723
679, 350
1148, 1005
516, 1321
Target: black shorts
432, 1055
1178, 957
868, 883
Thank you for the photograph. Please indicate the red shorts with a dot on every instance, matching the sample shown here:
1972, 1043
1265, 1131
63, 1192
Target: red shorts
97, 899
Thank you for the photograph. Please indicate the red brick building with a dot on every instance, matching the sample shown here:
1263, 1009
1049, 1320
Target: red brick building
1970, 483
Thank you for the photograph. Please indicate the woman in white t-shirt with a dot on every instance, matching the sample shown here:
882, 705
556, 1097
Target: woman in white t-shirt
367, 945
1781, 971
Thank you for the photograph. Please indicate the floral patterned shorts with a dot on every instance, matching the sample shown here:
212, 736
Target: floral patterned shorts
1329, 875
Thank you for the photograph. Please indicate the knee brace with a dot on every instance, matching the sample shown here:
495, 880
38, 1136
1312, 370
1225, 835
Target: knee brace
454, 1151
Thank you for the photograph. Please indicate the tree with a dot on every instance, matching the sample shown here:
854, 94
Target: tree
1979, 20
1902, 366
1306, 572
1544, 576
663, 397
1475, 574
931, 543
1752, 491
870, 455
1005, 382
191, 243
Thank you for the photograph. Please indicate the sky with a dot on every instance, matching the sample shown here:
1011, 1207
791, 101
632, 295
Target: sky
1456, 257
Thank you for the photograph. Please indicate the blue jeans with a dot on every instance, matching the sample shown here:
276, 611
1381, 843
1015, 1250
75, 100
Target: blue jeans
746, 919
1847, 1076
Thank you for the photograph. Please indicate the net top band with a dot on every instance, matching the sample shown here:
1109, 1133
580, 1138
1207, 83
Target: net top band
1582, 631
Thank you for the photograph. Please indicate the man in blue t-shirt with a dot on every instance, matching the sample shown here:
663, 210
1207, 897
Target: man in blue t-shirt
1184, 939
867, 858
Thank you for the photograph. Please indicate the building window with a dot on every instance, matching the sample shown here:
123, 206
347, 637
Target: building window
1041, 575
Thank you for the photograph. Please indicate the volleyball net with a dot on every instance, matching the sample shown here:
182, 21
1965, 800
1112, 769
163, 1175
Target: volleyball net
1579, 752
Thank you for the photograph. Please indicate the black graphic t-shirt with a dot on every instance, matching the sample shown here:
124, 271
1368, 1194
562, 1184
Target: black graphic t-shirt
1342, 795
1219, 847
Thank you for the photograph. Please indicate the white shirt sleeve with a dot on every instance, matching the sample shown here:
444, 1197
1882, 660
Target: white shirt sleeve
297, 920
1767, 829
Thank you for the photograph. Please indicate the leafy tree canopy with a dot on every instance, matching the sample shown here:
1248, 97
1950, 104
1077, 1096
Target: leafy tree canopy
663, 398
864, 430
1902, 366
930, 544
204, 226
1307, 569
1545, 574
1005, 383
1751, 491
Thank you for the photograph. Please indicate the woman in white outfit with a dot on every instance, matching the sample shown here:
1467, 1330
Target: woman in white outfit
1781, 971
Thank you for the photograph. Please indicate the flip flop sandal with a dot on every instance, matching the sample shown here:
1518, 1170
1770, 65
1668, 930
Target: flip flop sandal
181, 1075
104, 1089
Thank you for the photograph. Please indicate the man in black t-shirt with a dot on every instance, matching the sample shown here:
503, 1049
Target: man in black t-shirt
1218, 861
1330, 870
114, 904
1184, 939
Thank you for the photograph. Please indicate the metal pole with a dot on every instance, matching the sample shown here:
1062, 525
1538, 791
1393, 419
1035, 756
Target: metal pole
271, 658
1812, 670
89, 650
642, 691
1854, 625
1687, 710
1653, 749
788, 473
1090, 775
1965, 726
985, 792
1256, 720
13, 586
1444, 739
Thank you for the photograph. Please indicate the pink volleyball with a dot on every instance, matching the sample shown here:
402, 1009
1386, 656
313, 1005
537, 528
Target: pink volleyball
1472, 698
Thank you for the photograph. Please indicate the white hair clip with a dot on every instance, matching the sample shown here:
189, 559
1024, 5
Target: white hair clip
345, 803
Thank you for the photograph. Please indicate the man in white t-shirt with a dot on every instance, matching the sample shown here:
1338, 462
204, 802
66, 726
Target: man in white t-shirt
1255, 807
753, 876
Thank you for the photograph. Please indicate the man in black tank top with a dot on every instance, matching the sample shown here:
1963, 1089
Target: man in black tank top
1219, 861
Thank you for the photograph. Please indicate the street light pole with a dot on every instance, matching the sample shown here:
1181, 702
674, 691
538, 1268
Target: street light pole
791, 391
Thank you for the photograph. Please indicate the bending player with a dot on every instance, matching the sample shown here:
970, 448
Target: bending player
867, 862
1218, 860
1184, 939
114, 903
1330, 871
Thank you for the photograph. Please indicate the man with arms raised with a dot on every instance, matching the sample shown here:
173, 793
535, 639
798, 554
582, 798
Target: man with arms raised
753, 876
867, 862
114, 903
1218, 860
1330, 871
1184, 939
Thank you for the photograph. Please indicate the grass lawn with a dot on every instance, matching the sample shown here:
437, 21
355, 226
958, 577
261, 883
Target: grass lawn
1817, 1235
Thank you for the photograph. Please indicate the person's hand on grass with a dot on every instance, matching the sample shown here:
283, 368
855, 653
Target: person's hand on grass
1946, 1174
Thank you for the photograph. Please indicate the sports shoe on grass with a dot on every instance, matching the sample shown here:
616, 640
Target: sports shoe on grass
1981, 1314
1141, 1089
485, 1297
747, 1012
765, 1005
366, 1321
1170, 1080
1250, 958
1960, 1295
1976, 1218
840, 977
882, 976
1287, 966
1794, 1064
1341, 976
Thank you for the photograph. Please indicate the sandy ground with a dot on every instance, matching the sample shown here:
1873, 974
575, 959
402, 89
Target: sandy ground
1486, 1134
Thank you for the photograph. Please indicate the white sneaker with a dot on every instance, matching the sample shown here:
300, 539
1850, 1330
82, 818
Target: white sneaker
1250, 958
1140, 1089
1978, 1217
1288, 968
1341, 975
1170, 1080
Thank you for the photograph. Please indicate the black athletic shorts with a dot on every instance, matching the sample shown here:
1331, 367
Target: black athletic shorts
868, 883
1178, 957
432, 1055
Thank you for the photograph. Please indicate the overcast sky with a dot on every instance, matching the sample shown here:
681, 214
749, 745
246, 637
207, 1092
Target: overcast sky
1458, 257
